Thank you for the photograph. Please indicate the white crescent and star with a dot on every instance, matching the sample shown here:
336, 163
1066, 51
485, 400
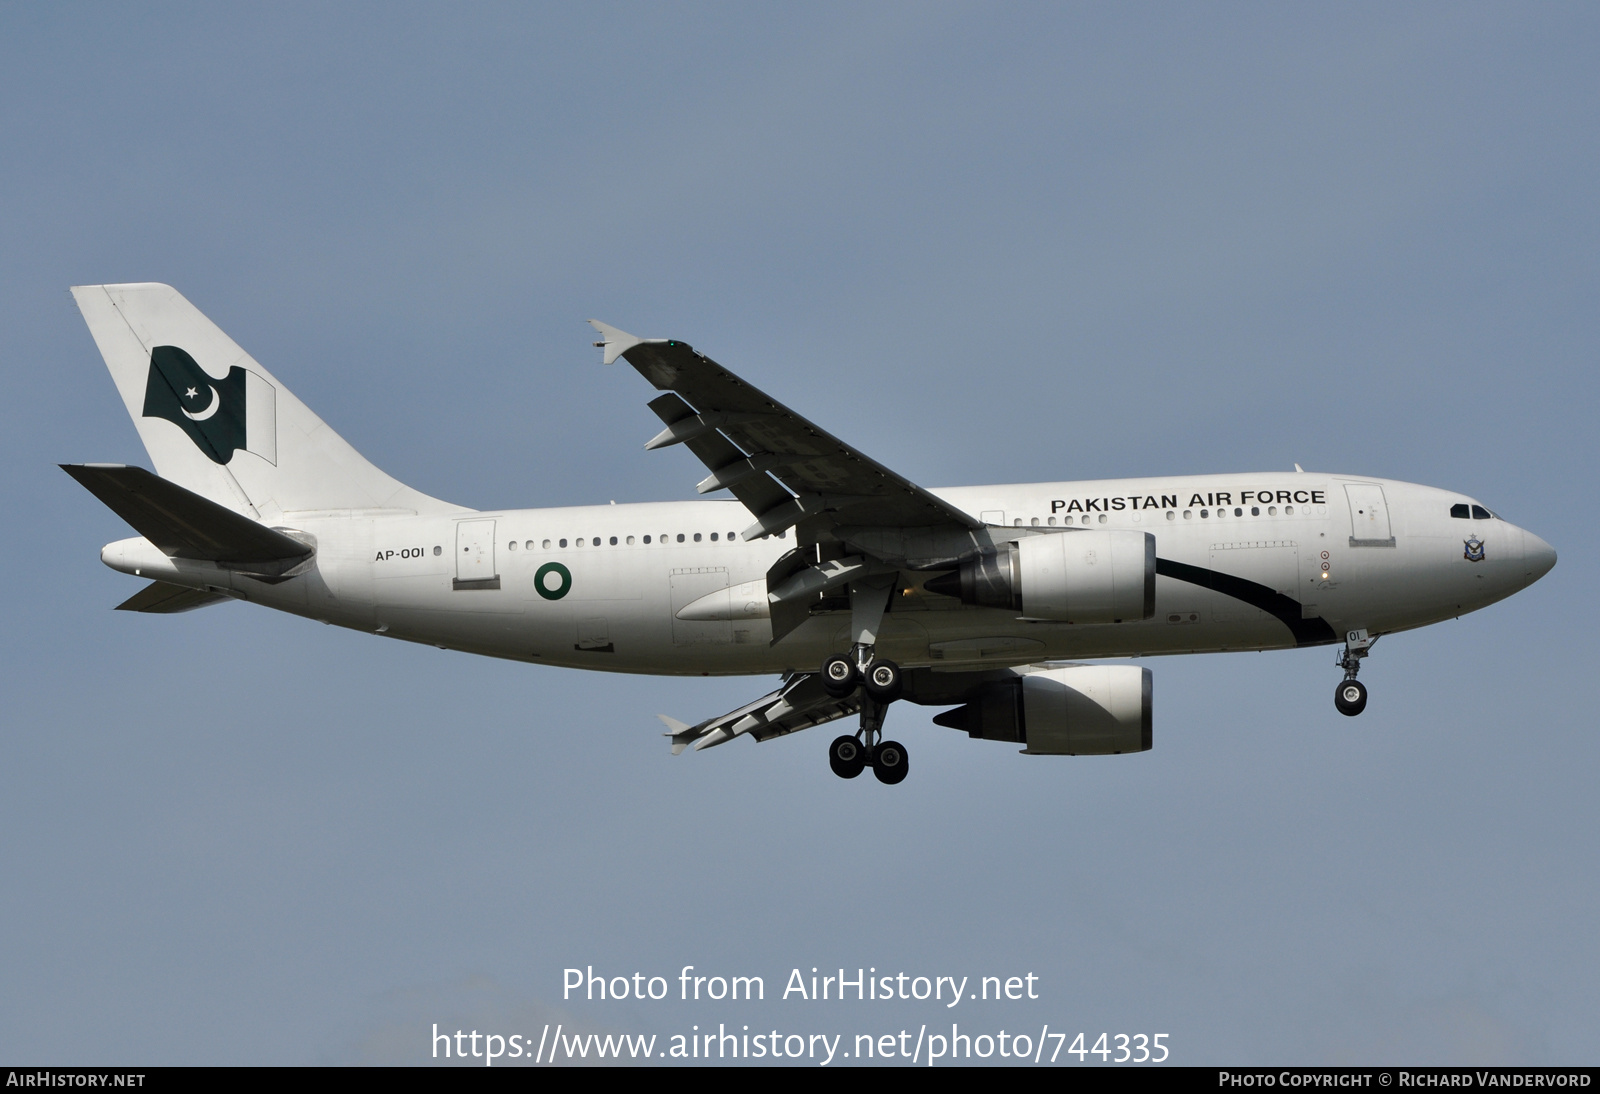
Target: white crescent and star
211, 408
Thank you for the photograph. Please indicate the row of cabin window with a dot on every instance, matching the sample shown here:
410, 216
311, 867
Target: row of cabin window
1477, 512
1172, 514
615, 541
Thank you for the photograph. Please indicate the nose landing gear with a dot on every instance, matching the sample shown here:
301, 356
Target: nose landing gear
1350, 697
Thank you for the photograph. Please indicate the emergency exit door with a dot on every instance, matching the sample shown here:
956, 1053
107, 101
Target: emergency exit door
475, 556
1369, 515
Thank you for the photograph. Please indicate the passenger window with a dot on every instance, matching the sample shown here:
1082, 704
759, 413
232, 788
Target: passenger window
1171, 515
1255, 510
647, 539
630, 541
1188, 514
512, 546
1052, 522
1480, 513
1459, 511
713, 537
1035, 522
438, 550
547, 544
1204, 513
597, 541
563, 543
729, 537
697, 537
613, 541
1238, 512
1102, 518
1288, 510
680, 537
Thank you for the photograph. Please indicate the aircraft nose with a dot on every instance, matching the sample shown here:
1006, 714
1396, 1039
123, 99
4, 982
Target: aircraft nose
1537, 556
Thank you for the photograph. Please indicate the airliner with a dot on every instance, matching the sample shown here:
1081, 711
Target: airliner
852, 584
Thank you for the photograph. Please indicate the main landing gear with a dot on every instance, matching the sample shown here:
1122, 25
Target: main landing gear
849, 755
880, 681
1350, 697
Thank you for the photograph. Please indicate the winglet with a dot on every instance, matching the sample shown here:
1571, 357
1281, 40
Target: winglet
680, 733
615, 342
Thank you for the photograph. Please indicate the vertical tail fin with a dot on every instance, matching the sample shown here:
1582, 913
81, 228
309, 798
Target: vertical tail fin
217, 423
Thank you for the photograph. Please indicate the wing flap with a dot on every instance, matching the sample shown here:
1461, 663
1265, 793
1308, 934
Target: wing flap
757, 491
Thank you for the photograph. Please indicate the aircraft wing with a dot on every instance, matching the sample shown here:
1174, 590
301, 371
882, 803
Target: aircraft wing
799, 704
784, 468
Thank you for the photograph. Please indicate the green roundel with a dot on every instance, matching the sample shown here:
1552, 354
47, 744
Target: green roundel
560, 590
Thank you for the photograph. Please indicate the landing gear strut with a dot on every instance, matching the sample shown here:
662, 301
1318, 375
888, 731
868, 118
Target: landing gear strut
881, 682
1350, 697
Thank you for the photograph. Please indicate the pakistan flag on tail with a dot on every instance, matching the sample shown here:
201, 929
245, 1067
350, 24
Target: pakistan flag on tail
222, 415
216, 422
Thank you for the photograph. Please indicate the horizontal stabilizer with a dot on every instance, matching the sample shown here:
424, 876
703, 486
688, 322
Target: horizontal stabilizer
165, 598
181, 523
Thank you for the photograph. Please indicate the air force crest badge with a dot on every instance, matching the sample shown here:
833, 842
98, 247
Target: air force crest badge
1474, 549
220, 415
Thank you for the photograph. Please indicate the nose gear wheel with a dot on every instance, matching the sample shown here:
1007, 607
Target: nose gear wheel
1350, 697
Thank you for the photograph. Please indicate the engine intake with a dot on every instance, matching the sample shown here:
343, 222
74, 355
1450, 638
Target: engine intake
1085, 576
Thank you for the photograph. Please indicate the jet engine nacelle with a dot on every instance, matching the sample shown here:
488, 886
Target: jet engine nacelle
1087, 576
1076, 710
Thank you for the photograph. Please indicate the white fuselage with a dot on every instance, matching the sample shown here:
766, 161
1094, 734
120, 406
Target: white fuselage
1346, 552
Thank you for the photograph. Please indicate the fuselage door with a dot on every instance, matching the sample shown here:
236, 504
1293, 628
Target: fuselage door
1369, 515
475, 556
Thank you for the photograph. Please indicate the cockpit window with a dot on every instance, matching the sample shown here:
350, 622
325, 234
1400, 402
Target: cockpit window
1459, 511
1480, 513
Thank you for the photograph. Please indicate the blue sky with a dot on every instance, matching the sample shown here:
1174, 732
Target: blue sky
985, 244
